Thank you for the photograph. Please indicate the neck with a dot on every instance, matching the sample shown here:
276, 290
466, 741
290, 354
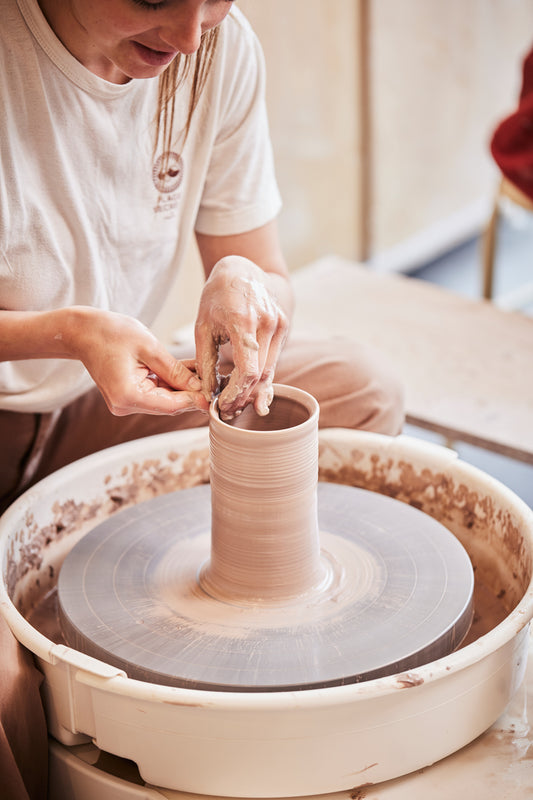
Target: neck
74, 38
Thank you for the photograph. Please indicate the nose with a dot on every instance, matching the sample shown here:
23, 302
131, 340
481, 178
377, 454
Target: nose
185, 35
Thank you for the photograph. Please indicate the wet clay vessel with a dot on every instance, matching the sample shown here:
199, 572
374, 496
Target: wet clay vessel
264, 527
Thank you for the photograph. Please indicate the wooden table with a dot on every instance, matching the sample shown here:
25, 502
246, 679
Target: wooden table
467, 366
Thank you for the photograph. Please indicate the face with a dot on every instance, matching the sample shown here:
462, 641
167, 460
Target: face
123, 39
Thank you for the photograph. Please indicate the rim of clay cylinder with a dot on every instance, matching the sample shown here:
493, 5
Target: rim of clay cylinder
281, 392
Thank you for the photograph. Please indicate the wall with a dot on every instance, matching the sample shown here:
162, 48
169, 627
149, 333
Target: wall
311, 96
442, 75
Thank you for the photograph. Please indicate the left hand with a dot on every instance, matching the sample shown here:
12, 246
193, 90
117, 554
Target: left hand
238, 306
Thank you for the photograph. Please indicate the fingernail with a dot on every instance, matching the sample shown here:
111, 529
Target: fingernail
194, 384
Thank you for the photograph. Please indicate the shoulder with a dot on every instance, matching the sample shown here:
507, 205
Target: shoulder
237, 40
238, 73
13, 31
17, 52
237, 26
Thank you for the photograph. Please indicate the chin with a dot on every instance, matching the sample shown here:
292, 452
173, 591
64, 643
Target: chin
137, 71
145, 72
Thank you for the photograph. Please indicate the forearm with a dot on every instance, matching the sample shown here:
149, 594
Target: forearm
262, 247
71, 332
41, 334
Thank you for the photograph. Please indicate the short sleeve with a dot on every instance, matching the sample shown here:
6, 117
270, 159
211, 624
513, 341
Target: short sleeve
240, 192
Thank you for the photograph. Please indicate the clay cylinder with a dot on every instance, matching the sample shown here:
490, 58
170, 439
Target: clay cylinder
264, 471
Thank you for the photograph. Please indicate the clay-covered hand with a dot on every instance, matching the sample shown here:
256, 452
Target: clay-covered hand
131, 368
238, 306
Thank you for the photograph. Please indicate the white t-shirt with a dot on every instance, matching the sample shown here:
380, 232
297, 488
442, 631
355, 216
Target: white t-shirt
86, 217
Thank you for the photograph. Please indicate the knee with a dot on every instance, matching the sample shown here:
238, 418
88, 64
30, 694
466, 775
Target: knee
362, 391
386, 413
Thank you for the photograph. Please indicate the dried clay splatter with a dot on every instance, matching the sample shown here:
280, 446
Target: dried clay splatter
28, 549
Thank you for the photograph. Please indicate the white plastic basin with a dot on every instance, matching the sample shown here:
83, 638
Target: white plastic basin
279, 744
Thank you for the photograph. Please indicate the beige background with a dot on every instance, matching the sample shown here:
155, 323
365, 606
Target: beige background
439, 74
443, 74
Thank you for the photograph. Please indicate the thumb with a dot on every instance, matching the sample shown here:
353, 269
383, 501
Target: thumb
175, 373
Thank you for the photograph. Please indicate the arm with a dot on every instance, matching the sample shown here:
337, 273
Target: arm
247, 301
130, 367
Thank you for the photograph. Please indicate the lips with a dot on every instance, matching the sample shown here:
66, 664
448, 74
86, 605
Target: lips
154, 58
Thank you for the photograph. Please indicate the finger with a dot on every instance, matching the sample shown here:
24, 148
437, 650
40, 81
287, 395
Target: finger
190, 363
264, 397
252, 377
158, 401
206, 360
162, 401
264, 392
141, 390
243, 378
175, 373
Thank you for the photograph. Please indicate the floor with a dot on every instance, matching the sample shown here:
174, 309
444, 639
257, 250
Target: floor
460, 271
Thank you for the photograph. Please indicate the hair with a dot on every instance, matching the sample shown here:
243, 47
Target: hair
171, 80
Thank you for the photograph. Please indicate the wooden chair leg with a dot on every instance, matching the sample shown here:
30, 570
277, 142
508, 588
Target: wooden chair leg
489, 243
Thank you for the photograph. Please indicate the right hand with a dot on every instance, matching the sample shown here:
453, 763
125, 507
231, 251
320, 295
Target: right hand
130, 367
238, 306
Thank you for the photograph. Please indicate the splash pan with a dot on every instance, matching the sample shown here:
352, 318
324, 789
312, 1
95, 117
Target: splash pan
278, 744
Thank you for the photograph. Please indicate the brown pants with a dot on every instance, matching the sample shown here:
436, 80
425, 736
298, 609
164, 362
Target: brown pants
354, 390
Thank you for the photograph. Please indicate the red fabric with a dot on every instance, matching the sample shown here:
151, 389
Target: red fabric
512, 141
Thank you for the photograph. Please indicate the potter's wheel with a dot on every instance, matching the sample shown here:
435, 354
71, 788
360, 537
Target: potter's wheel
395, 592
278, 744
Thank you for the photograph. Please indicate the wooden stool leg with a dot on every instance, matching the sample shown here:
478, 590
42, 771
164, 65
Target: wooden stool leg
489, 251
